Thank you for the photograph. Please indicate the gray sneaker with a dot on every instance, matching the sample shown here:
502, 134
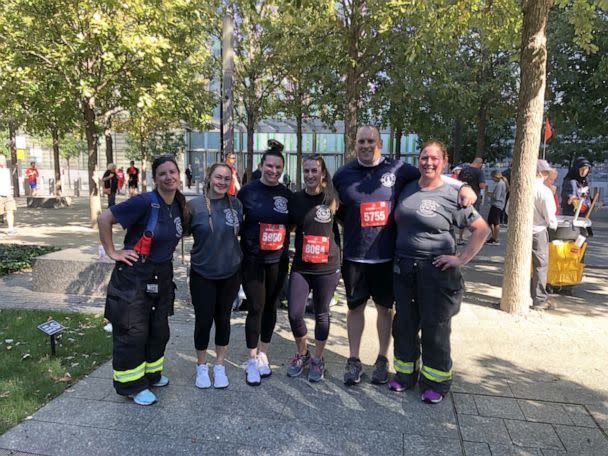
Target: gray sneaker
352, 372
380, 374
317, 370
298, 363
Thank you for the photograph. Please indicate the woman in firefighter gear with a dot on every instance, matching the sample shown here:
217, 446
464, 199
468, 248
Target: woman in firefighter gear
428, 282
141, 291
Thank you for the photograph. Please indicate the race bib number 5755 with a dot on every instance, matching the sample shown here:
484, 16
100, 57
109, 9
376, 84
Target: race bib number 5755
271, 236
374, 213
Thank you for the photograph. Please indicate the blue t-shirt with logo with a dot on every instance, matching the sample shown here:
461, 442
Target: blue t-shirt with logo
132, 215
265, 214
367, 199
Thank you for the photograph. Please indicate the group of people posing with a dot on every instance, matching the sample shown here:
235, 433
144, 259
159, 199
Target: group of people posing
397, 247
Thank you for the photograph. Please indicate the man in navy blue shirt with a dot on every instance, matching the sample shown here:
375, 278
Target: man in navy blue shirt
369, 188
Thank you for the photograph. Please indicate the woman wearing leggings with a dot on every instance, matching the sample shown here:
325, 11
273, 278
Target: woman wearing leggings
316, 264
265, 242
215, 270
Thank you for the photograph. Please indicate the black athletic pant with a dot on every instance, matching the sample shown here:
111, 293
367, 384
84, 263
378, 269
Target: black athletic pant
426, 300
262, 284
323, 287
140, 324
212, 301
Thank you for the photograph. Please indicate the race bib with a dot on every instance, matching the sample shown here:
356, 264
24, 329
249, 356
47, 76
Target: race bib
271, 236
315, 249
374, 213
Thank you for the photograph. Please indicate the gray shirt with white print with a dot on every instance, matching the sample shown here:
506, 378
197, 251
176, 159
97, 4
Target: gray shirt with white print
216, 254
426, 219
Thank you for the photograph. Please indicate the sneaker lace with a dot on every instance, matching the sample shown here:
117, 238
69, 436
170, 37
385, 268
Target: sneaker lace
297, 359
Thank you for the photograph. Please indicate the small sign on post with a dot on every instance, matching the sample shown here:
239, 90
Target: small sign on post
51, 328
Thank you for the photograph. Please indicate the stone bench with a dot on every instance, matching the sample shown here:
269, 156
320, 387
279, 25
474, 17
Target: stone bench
72, 271
51, 202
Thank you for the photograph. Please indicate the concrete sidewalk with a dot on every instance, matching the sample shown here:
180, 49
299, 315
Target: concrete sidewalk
533, 385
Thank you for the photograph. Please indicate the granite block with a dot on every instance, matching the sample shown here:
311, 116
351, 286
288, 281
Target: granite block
544, 412
583, 440
465, 404
498, 407
483, 429
533, 435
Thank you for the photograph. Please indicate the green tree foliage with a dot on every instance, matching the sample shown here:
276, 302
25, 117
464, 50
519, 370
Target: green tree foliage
256, 75
576, 90
304, 55
104, 52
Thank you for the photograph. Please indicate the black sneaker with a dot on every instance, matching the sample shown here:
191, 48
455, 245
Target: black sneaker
352, 372
380, 374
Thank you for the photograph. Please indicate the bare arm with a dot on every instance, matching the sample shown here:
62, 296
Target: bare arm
105, 220
479, 233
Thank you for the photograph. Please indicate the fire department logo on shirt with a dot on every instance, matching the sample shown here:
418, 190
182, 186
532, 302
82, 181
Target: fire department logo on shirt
178, 227
232, 217
427, 208
323, 214
280, 204
388, 179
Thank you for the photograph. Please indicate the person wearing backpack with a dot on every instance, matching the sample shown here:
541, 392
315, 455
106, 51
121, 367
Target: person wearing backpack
141, 291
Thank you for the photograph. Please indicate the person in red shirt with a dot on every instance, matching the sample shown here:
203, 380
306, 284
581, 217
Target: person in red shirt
31, 174
120, 175
133, 174
235, 185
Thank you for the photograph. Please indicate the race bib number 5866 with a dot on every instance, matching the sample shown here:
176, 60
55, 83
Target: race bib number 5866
271, 236
374, 213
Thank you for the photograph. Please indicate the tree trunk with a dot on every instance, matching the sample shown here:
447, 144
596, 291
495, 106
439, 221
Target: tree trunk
482, 125
107, 133
352, 81
516, 282
398, 133
250, 133
457, 140
12, 137
299, 122
350, 116
391, 143
55, 136
90, 129
144, 163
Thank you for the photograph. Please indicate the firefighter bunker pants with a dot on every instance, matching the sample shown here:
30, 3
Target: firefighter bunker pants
426, 300
139, 301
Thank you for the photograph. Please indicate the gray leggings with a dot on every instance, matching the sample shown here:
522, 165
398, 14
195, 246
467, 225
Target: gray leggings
323, 287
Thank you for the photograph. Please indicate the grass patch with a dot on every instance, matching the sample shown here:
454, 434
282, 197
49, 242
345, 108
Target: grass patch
17, 256
29, 376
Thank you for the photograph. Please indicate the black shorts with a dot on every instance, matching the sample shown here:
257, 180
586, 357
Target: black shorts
132, 183
365, 280
494, 216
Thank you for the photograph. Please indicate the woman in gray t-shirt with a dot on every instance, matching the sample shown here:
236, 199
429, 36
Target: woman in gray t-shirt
215, 264
427, 281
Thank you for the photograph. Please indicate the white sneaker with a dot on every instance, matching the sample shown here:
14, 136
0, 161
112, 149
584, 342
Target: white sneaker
202, 376
252, 375
263, 365
220, 379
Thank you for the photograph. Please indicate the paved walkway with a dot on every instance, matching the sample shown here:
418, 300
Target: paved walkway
533, 385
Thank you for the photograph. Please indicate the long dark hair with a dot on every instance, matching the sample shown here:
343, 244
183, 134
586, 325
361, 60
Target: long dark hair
330, 198
179, 196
